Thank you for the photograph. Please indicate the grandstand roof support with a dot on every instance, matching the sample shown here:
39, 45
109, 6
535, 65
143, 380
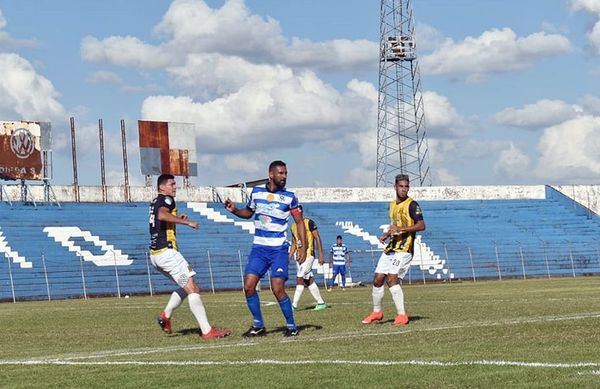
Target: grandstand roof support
401, 141
125, 167
102, 169
74, 155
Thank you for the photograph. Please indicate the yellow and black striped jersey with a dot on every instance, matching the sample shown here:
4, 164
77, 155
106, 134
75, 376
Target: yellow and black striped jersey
162, 234
403, 214
310, 226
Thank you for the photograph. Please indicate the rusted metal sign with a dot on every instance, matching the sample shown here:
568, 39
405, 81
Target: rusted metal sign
167, 147
21, 147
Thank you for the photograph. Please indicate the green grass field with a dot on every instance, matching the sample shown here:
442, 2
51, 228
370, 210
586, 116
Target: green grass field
534, 333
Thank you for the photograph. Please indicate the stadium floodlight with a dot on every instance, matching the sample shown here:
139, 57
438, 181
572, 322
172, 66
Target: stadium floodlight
401, 141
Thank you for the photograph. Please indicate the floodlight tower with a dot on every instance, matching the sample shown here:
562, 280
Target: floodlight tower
401, 142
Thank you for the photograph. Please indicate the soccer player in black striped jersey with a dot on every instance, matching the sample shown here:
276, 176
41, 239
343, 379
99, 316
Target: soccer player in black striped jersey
166, 258
406, 219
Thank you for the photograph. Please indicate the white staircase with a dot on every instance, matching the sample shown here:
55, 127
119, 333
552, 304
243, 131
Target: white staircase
204, 210
14, 255
111, 256
423, 256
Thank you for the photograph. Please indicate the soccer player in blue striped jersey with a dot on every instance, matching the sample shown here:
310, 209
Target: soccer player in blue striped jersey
271, 206
339, 257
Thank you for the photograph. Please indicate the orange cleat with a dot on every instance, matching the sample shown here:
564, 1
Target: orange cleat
374, 316
215, 333
164, 322
401, 320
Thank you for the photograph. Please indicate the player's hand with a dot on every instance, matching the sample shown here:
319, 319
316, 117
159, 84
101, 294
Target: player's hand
382, 239
193, 224
301, 256
229, 205
321, 262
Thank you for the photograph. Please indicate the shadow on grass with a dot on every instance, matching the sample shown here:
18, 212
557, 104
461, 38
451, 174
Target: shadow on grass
305, 327
412, 318
281, 330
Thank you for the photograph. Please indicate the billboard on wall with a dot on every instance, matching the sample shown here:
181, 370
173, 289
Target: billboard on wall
167, 147
21, 146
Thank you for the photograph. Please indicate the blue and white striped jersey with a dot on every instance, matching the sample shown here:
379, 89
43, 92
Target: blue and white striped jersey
271, 214
339, 254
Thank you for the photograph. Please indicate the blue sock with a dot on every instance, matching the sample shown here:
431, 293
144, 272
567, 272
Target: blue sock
343, 280
254, 306
286, 308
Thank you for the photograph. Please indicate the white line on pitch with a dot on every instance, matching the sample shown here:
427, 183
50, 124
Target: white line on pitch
405, 330
501, 363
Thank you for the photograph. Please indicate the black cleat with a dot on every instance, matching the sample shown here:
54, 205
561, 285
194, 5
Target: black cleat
291, 332
255, 331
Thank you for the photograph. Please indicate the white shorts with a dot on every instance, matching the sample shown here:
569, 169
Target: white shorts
394, 263
305, 270
172, 264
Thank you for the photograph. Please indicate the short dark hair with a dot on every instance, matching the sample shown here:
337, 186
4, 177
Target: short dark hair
162, 179
402, 177
275, 164
339, 237
300, 207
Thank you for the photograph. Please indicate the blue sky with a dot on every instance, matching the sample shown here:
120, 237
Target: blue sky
510, 87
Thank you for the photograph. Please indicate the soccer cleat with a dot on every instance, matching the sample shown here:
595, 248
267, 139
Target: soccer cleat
255, 331
374, 316
401, 320
291, 332
329, 289
320, 307
164, 322
294, 308
215, 333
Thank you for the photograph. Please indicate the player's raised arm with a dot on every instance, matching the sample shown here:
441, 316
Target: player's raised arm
244, 213
166, 216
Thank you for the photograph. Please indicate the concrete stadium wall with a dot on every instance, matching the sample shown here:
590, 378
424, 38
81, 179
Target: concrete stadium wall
65, 193
586, 195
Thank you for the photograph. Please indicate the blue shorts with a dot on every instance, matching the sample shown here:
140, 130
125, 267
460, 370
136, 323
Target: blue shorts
339, 269
263, 258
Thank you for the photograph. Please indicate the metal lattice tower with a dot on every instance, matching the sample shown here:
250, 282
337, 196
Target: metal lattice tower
401, 142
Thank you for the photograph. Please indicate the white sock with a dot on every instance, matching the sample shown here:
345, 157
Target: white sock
173, 303
297, 295
398, 297
199, 312
377, 298
314, 290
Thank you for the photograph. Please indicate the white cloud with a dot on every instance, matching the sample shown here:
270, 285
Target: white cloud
192, 27
442, 120
540, 114
591, 104
570, 151
7, 40
246, 163
123, 51
269, 113
443, 177
494, 51
24, 94
104, 77
361, 177
592, 7
512, 163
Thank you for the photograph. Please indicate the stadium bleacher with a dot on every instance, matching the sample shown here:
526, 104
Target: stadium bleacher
83, 249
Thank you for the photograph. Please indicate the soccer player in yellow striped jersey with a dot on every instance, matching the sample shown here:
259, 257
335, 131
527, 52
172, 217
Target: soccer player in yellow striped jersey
406, 219
166, 258
304, 274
